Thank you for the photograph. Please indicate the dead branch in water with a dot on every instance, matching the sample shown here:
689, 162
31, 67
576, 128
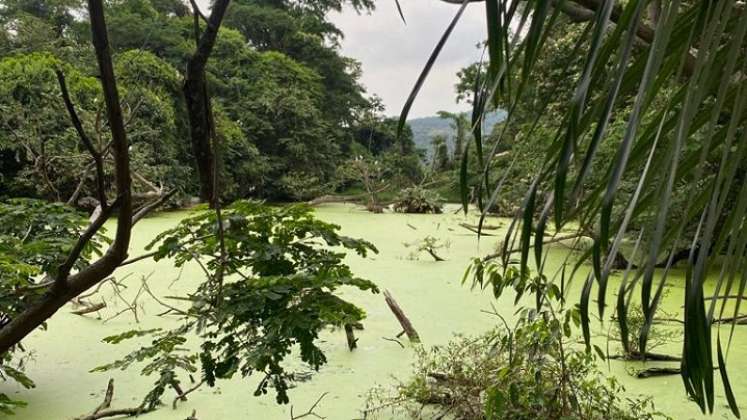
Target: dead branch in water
182, 396
352, 341
394, 340
310, 412
88, 308
434, 255
103, 410
401, 317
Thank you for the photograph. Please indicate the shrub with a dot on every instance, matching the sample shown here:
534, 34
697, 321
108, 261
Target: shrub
418, 200
531, 371
519, 373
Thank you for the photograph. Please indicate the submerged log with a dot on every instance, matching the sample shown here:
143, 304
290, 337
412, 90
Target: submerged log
658, 371
638, 356
352, 341
475, 229
88, 308
401, 317
335, 199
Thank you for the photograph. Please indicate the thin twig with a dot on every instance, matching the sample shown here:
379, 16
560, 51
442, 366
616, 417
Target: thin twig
183, 396
310, 412
95, 154
394, 340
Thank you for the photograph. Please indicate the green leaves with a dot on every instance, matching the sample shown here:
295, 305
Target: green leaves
427, 68
666, 96
274, 288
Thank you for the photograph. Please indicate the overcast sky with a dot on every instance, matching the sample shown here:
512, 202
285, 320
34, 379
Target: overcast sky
393, 54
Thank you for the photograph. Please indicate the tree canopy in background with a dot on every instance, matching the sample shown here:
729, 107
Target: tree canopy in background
287, 106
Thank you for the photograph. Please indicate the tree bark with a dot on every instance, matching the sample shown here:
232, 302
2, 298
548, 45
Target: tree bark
401, 317
198, 102
350, 335
67, 288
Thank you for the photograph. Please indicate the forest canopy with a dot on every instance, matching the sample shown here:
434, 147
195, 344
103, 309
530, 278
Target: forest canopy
288, 107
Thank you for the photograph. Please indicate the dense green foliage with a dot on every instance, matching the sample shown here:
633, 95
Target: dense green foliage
288, 108
649, 143
35, 239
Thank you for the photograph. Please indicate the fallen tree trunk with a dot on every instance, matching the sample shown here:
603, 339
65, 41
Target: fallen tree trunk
638, 356
328, 198
658, 371
402, 318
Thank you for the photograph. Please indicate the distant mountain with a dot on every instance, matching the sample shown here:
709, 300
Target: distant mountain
423, 129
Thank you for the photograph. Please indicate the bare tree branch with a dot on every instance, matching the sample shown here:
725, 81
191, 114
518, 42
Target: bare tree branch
64, 270
38, 312
95, 154
150, 207
196, 10
103, 411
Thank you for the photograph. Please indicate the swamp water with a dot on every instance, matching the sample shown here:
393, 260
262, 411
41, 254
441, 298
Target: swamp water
429, 292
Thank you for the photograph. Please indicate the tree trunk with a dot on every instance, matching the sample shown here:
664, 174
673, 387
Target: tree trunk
198, 102
67, 287
350, 335
401, 317
195, 95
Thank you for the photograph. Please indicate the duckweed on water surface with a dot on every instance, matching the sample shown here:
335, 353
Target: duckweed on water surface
430, 292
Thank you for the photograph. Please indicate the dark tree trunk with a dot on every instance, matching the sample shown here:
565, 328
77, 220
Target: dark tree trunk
67, 286
195, 94
198, 102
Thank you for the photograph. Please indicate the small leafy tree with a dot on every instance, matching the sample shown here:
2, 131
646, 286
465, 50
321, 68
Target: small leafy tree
371, 174
270, 281
441, 159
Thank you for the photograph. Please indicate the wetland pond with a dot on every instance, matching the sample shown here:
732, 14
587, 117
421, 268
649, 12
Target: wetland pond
430, 293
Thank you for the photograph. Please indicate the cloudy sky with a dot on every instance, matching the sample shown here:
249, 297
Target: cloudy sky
393, 54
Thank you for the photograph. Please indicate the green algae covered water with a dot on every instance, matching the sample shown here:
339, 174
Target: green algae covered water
430, 293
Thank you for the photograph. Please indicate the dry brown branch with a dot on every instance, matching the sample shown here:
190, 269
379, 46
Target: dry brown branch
401, 317
103, 411
394, 340
143, 211
95, 154
88, 308
310, 412
182, 396
130, 306
98, 221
